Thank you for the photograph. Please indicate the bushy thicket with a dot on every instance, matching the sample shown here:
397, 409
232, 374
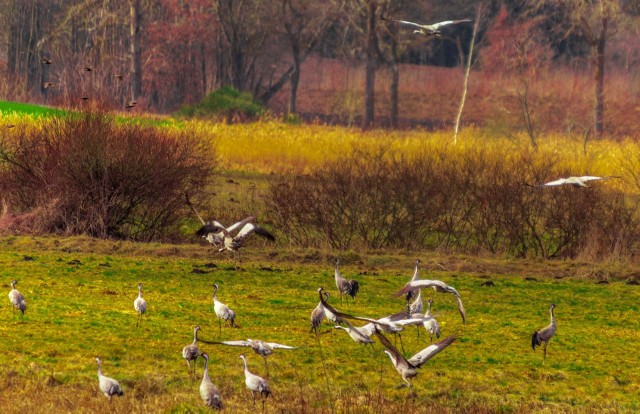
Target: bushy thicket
471, 200
226, 103
88, 174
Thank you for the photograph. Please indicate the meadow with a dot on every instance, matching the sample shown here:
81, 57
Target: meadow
80, 293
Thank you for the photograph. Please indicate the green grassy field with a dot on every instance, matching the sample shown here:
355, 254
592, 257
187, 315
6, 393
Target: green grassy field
80, 294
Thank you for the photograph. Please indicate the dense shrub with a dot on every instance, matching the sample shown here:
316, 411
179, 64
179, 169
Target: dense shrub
86, 173
472, 200
227, 103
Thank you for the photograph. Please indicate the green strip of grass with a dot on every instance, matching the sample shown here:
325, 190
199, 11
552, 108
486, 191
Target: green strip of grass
28, 109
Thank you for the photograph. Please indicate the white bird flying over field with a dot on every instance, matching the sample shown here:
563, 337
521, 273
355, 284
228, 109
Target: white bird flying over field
574, 181
427, 29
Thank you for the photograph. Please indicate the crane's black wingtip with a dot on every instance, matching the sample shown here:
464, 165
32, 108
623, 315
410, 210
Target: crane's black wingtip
264, 233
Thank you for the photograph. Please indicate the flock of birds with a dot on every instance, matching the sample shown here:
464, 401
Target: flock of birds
375, 328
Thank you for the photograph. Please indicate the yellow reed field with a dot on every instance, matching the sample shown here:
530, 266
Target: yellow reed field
271, 146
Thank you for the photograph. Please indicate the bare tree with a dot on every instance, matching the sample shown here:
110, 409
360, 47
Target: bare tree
136, 66
596, 21
305, 22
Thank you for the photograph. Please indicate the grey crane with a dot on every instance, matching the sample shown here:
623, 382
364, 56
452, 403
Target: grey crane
407, 367
349, 287
361, 334
440, 287
108, 386
417, 306
428, 29
431, 325
574, 181
545, 334
209, 393
411, 294
233, 242
140, 305
317, 315
259, 347
223, 312
16, 298
191, 352
255, 383
217, 238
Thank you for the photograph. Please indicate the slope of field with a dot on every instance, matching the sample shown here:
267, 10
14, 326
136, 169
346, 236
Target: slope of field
80, 294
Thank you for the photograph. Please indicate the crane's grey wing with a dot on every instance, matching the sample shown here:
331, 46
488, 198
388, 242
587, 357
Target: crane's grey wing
418, 284
387, 344
436, 26
280, 346
403, 22
413, 321
429, 352
561, 181
593, 178
236, 343
248, 229
236, 226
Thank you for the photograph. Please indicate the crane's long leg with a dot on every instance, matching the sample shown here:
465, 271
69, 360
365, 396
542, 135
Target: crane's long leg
545, 351
401, 344
266, 365
220, 325
253, 394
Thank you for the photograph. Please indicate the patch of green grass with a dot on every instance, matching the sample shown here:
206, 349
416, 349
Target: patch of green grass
7, 107
47, 358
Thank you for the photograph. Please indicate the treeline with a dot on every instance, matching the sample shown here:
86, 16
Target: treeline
165, 53
471, 201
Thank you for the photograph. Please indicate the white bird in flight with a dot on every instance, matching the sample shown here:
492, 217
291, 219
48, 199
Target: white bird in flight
575, 181
428, 29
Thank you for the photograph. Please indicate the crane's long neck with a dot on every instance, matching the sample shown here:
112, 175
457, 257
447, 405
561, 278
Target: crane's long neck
206, 370
246, 370
215, 291
195, 336
415, 273
429, 308
99, 369
13, 284
553, 318
139, 291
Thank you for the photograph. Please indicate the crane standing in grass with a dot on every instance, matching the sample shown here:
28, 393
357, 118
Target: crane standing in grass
140, 305
545, 334
223, 312
255, 384
209, 393
16, 298
349, 287
191, 352
108, 386
431, 325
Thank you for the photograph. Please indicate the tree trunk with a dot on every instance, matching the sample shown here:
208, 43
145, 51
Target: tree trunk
370, 81
395, 78
136, 66
295, 77
599, 78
